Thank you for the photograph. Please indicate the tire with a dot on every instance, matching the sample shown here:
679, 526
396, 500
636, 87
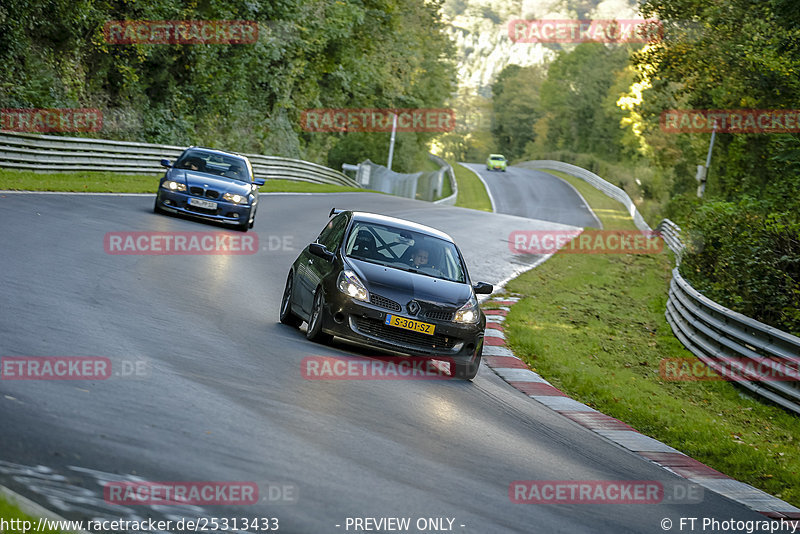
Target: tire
156, 207
314, 332
468, 370
287, 316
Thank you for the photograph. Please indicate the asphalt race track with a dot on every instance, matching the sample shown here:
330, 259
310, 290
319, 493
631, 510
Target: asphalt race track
536, 195
218, 393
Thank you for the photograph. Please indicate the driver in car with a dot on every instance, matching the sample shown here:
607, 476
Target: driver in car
192, 164
419, 257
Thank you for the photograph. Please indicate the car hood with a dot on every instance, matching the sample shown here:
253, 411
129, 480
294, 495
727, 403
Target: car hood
210, 181
402, 286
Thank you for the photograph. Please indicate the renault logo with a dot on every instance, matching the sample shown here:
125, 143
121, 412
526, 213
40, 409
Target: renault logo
413, 307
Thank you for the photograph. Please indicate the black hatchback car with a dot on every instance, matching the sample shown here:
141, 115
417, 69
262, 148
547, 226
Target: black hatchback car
389, 283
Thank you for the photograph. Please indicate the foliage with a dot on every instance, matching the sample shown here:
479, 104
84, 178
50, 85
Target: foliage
739, 54
246, 97
516, 107
578, 100
727, 240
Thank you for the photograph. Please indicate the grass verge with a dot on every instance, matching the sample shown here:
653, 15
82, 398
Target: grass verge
10, 511
471, 191
110, 182
594, 326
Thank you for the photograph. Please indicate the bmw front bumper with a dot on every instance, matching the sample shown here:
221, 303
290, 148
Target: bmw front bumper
225, 212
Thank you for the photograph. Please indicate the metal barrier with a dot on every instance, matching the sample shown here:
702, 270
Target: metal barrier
729, 342
592, 179
62, 154
671, 233
420, 185
451, 176
732, 344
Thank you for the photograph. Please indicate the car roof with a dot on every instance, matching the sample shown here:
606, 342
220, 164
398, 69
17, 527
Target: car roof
400, 223
215, 151
497, 156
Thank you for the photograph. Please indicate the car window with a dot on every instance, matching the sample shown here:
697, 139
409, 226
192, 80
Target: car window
331, 235
404, 249
211, 163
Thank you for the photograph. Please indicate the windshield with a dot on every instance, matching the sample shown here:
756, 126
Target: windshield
211, 163
406, 250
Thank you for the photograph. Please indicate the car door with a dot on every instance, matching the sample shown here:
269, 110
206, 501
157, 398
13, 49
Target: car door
312, 269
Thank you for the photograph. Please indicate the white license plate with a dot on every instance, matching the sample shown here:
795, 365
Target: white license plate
200, 203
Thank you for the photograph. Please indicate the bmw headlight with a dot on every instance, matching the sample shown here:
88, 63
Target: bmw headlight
236, 199
468, 313
352, 286
172, 185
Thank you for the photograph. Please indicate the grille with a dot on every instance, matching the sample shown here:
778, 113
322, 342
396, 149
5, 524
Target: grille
439, 315
201, 210
375, 328
383, 302
199, 192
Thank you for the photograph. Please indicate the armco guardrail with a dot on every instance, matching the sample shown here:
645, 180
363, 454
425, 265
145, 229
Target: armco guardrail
592, 179
730, 342
451, 176
671, 233
57, 154
727, 341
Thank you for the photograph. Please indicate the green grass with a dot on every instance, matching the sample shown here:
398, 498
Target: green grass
447, 189
471, 191
594, 326
9, 511
110, 182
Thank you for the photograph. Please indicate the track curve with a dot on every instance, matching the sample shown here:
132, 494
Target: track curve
223, 398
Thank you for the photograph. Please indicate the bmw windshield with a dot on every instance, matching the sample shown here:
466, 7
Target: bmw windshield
211, 163
406, 250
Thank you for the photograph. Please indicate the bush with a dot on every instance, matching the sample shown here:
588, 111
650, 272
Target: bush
746, 259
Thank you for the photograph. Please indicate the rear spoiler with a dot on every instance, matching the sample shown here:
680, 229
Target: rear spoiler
334, 211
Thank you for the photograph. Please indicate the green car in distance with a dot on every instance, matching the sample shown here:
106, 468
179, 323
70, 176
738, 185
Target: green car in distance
496, 162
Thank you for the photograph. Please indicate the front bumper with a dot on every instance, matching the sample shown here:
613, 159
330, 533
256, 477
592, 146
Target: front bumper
363, 322
226, 212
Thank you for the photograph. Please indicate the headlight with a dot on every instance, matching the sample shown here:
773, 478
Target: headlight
352, 286
236, 199
468, 313
172, 185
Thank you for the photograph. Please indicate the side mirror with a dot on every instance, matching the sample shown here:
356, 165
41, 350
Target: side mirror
166, 163
259, 181
482, 288
318, 249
